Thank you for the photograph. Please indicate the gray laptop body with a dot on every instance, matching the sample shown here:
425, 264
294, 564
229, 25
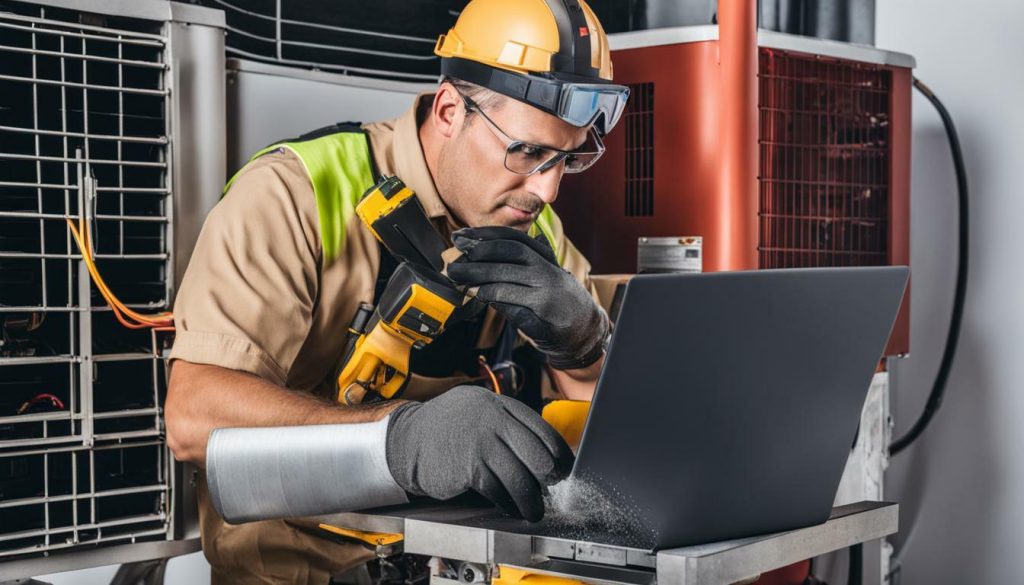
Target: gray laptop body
727, 406
729, 401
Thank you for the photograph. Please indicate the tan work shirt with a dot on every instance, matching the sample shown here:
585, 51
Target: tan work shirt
258, 297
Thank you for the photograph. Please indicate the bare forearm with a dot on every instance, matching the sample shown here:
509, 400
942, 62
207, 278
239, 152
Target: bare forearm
201, 398
578, 384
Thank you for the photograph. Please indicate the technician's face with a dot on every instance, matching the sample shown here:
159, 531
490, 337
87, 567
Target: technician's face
474, 181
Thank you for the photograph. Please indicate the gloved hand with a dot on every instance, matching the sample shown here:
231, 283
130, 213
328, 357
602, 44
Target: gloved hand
471, 439
520, 277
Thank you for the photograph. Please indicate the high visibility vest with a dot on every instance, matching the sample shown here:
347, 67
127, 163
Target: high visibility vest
340, 166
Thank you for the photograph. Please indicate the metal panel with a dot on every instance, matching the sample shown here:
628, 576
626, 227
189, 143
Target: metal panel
445, 540
315, 99
734, 561
198, 115
439, 529
101, 557
839, 50
157, 10
765, 38
662, 36
827, 108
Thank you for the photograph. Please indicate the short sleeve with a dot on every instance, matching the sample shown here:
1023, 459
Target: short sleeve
247, 298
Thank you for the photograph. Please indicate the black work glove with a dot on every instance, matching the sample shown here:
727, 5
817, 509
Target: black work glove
519, 277
472, 439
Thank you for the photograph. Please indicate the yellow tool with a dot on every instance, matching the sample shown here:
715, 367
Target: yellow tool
381, 543
568, 417
414, 309
417, 305
395, 216
507, 575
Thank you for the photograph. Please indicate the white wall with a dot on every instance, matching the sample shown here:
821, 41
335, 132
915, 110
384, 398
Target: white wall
962, 485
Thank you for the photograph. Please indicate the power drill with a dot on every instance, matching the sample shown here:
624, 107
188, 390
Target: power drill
417, 305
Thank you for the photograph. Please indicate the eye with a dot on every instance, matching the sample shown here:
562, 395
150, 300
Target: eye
530, 150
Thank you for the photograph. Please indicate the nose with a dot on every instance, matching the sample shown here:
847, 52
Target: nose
545, 184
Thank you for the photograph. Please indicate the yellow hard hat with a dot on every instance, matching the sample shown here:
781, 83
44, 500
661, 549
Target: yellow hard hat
550, 54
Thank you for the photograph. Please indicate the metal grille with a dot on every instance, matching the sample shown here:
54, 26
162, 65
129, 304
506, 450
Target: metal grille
393, 41
84, 124
825, 157
639, 117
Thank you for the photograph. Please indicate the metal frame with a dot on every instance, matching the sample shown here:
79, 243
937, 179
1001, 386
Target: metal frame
453, 533
765, 38
247, 66
100, 557
157, 10
181, 42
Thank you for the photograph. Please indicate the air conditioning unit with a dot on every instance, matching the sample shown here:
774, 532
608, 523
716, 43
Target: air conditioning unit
112, 114
776, 150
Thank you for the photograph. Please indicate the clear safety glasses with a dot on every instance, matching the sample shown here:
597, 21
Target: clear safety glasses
524, 158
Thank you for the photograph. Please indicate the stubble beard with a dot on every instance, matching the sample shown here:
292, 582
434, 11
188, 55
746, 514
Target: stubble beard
457, 196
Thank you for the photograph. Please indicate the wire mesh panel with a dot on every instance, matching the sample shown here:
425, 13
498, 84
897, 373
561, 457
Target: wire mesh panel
83, 137
392, 39
68, 496
639, 121
825, 156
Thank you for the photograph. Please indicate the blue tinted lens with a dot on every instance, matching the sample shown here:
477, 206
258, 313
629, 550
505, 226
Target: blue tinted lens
581, 108
583, 105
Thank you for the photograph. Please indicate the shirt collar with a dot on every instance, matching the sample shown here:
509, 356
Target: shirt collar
411, 166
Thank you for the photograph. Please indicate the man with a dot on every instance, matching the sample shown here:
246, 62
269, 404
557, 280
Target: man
283, 263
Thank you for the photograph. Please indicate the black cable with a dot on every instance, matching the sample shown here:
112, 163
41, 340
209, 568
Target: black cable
894, 574
939, 387
855, 573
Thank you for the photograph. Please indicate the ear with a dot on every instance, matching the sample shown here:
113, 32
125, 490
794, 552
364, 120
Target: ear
448, 111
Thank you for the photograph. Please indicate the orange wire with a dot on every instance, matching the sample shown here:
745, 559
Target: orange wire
490, 372
88, 261
112, 300
162, 321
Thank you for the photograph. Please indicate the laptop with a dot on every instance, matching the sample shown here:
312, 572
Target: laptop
729, 401
727, 407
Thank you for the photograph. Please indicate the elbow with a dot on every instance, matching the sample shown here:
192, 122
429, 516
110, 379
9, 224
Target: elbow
177, 442
182, 428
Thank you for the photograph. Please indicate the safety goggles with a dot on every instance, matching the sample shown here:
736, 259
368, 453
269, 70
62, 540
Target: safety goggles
581, 104
584, 104
524, 158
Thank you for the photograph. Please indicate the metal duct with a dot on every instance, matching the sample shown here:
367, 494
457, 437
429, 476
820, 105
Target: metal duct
288, 472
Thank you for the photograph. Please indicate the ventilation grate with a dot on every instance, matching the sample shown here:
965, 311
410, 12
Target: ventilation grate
639, 122
824, 162
83, 118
